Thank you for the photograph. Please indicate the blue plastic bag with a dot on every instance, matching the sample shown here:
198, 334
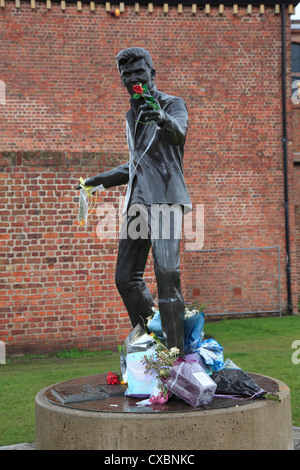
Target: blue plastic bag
193, 330
154, 325
212, 353
228, 364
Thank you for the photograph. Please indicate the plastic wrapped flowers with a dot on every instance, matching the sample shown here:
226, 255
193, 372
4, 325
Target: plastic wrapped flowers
187, 380
154, 373
193, 327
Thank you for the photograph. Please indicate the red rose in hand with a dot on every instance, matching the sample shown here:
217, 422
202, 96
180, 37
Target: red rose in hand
112, 379
138, 89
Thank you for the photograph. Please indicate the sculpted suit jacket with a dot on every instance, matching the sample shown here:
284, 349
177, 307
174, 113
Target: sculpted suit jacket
154, 172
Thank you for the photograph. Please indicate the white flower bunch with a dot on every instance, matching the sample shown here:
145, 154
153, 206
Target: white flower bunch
189, 313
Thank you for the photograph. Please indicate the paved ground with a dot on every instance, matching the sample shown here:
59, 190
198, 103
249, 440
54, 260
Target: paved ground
296, 436
31, 445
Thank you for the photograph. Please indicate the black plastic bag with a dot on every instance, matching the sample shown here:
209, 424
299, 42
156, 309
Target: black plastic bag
235, 382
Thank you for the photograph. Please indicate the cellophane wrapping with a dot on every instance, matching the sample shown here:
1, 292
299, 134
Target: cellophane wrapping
189, 381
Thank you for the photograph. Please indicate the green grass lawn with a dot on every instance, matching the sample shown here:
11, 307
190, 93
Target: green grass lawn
260, 345
22, 378
263, 346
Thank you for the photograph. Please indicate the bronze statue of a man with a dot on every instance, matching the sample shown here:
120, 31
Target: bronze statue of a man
154, 175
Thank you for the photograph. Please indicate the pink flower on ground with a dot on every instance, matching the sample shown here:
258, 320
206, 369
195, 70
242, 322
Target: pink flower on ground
160, 399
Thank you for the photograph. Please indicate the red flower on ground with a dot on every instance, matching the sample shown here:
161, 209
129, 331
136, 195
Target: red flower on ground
112, 379
138, 89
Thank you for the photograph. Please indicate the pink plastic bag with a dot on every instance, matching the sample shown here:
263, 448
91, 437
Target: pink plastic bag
191, 383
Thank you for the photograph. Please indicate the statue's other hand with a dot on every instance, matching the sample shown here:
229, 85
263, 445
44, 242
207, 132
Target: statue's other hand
88, 182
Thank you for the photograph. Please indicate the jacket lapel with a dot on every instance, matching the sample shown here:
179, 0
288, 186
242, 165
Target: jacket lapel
130, 129
138, 135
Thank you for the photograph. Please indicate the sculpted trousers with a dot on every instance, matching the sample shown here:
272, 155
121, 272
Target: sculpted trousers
143, 228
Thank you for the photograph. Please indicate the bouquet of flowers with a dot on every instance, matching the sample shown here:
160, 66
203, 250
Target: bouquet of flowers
160, 365
162, 361
185, 379
113, 378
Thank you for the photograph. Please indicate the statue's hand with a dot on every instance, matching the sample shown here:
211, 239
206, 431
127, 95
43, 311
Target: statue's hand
148, 114
91, 181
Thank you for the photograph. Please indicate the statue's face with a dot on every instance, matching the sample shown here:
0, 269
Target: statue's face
135, 73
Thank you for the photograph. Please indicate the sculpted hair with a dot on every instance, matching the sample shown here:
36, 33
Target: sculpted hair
132, 54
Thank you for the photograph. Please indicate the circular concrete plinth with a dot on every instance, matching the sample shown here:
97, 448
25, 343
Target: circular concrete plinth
121, 425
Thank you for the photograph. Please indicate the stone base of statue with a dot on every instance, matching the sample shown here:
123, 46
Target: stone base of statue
86, 414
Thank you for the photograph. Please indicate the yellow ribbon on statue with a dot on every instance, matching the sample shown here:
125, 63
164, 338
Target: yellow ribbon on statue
86, 188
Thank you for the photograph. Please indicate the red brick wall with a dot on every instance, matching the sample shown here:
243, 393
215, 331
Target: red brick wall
65, 117
296, 147
295, 37
297, 218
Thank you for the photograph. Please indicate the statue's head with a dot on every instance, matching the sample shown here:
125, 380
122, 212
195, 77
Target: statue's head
135, 66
